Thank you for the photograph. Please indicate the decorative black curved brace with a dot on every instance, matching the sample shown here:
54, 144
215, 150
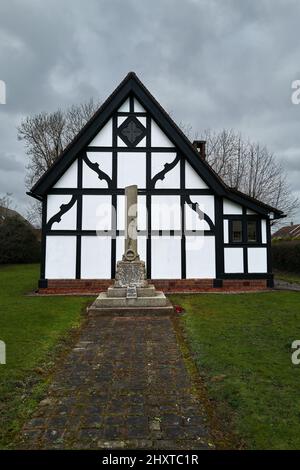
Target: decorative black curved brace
95, 167
167, 167
63, 209
202, 216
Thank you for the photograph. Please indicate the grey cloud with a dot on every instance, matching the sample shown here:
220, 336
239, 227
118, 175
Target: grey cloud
212, 63
9, 163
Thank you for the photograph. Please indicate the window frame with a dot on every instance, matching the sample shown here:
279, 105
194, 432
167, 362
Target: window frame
244, 226
231, 239
257, 232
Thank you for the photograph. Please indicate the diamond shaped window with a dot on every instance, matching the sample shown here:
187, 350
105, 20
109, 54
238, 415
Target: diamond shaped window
131, 131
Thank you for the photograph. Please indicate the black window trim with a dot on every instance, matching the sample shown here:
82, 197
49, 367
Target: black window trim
230, 228
258, 231
244, 220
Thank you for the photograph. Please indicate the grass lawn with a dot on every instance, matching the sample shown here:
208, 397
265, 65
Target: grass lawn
288, 277
242, 346
32, 328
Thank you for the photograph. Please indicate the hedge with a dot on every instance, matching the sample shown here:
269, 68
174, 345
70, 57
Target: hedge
286, 255
18, 243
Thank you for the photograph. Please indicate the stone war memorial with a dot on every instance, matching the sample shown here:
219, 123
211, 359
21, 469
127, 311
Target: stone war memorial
131, 292
188, 231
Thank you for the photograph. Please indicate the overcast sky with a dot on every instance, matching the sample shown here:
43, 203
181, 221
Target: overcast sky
211, 63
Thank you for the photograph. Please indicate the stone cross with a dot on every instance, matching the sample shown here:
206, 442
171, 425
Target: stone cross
130, 249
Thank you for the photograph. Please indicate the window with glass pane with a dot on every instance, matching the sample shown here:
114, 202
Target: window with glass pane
237, 231
251, 231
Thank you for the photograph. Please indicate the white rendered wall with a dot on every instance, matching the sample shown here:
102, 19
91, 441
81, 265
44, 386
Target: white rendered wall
192, 179
96, 212
124, 108
158, 137
257, 260
60, 257
121, 119
142, 213
142, 143
165, 213
192, 220
172, 177
68, 220
131, 169
263, 231
233, 260
206, 205
90, 178
166, 258
200, 257
120, 142
142, 120
138, 108
104, 137
95, 257
231, 208
226, 231
69, 178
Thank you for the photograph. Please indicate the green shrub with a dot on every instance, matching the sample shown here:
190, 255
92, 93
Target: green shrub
286, 255
18, 243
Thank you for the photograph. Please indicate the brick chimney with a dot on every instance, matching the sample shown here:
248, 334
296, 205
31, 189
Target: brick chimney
200, 147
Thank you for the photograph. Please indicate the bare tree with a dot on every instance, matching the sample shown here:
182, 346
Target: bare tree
6, 205
34, 213
45, 136
6, 201
249, 167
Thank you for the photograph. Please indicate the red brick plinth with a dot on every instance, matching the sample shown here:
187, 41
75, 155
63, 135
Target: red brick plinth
94, 286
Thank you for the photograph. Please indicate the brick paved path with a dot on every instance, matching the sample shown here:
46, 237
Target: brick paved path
124, 385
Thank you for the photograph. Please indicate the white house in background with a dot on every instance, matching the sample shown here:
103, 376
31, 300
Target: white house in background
191, 225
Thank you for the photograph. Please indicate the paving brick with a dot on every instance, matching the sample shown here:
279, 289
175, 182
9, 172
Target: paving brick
124, 385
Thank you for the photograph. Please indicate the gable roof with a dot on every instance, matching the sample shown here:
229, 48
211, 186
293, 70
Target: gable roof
132, 85
288, 231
